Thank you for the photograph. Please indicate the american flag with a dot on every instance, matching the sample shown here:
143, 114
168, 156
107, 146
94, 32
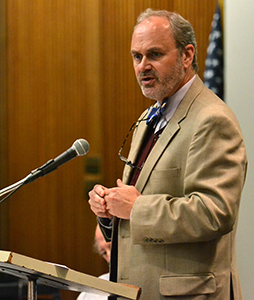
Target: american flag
213, 75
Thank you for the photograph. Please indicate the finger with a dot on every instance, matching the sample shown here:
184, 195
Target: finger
120, 183
107, 200
99, 190
96, 207
96, 195
97, 203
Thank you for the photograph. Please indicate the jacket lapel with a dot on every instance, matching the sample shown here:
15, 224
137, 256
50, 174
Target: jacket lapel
137, 140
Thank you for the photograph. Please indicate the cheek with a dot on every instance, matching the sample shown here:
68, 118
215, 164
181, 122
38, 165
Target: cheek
136, 70
163, 72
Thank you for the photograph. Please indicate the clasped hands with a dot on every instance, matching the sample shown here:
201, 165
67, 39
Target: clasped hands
117, 201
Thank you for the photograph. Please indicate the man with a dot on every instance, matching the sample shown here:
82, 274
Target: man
100, 245
103, 248
175, 212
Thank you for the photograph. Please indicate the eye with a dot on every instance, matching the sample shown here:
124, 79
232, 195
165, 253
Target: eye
156, 55
137, 57
103, 253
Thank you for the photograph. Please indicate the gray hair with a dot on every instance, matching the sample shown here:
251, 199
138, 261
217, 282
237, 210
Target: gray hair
182, 30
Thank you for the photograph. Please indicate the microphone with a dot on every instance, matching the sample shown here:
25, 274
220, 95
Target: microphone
80, 147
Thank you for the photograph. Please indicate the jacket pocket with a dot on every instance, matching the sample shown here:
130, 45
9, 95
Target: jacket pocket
168, 173
187, 284
167, 181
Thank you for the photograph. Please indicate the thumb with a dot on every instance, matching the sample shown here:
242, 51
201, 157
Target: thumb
120, 183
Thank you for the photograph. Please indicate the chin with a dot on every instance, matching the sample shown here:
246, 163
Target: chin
148, 93
152, 95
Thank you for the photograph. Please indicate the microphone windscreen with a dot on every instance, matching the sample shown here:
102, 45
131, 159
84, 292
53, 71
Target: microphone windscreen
81, 146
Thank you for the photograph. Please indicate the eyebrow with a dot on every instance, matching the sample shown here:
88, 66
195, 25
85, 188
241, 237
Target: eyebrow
153, 49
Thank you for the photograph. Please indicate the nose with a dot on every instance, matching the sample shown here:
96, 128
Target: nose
107, 255
144, 64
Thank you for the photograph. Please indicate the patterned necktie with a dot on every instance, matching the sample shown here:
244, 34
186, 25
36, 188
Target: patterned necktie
154, 113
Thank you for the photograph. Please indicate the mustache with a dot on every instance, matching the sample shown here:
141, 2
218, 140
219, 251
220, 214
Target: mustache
147, 74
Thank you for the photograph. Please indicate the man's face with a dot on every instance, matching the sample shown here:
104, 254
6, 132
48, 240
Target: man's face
102, 245
157, 63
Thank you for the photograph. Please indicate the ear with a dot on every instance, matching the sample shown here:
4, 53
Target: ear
188, 55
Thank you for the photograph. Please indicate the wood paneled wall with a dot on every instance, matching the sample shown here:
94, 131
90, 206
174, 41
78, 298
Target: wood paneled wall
52, 99
66, 73
123, 101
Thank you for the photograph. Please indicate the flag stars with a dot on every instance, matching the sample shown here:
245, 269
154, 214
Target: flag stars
213, 75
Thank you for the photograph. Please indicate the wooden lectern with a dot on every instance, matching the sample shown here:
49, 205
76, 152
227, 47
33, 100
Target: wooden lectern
60, 277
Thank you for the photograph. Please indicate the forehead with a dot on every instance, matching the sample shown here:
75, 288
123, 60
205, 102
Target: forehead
152, 32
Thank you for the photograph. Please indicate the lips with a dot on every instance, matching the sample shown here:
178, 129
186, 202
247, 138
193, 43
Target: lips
147, 80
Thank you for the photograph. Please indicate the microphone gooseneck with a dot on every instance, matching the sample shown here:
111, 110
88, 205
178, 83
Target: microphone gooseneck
80, 147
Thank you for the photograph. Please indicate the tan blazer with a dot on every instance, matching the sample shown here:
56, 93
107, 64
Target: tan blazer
180, 241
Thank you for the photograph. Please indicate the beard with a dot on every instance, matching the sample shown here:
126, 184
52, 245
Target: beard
164, 86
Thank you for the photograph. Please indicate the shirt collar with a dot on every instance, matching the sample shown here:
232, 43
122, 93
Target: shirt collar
174, 101
172, 104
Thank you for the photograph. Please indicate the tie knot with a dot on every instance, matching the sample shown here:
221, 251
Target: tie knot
154, 113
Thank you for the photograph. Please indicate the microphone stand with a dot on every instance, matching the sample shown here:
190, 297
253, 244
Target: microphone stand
11, 189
